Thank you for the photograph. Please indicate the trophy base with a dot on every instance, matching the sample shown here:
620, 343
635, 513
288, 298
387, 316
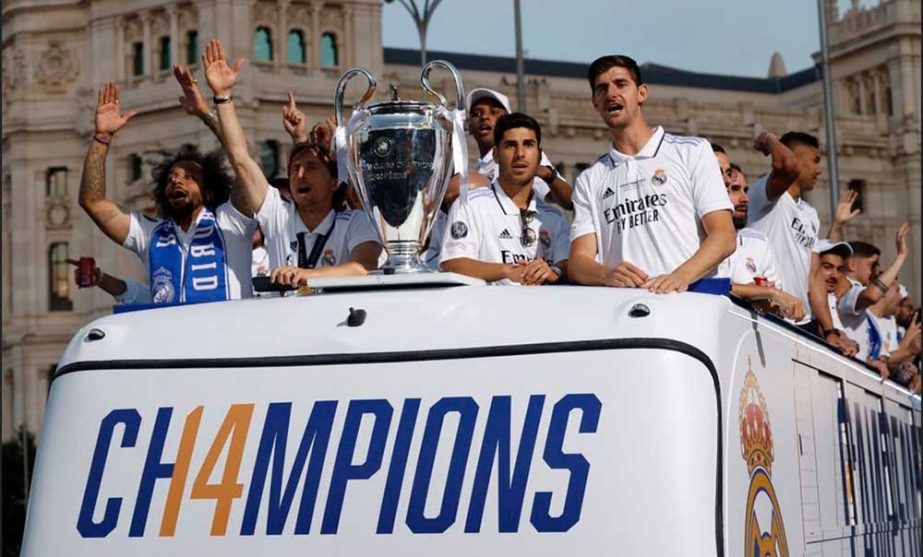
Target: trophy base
403, 259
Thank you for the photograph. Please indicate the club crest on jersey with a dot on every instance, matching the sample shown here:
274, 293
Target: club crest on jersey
459, 230
329, 258
544, 238
757, 451
660, 177
751, 265
382, 146
162, 291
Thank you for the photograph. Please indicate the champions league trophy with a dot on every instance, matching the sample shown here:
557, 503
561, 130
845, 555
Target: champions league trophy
399, 155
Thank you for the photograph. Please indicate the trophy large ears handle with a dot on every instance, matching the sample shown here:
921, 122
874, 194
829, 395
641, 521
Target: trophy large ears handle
341, 91
456, 77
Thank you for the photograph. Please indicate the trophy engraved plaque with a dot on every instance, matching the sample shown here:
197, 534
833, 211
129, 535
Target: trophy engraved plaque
399, 157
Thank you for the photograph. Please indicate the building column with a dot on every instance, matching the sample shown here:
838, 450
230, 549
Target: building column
147, 47
349, 41
174, 34
120, 50
315, 34
863, 93
282, 36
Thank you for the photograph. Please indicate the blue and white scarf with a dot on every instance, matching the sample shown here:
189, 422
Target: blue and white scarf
200, 275
874, 337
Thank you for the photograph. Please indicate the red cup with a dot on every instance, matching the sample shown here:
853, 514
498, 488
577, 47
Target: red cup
86, 272
761, 281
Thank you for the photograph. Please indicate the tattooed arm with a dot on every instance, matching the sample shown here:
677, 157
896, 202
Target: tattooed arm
112, 219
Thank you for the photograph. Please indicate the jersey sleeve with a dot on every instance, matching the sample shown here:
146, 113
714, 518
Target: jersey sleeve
461, 238
139, 234
759, 203
770, 268
272, 216
847, 305
233, 221
360, 231
708, 191
584, 219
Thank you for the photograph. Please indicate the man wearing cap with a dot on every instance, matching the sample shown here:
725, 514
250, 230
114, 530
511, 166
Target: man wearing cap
504, 233
833, 257
653, 212
485, 107
752, 267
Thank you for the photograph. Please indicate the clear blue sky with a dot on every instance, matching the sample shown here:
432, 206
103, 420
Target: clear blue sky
733, 37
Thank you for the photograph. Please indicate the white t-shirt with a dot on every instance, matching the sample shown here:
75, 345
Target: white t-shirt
754, 257
489, 228
855, 322
647, 209
236, 230
281, 224
792, 228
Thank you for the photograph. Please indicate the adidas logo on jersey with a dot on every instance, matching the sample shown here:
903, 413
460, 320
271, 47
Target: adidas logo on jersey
608, 193
505, 235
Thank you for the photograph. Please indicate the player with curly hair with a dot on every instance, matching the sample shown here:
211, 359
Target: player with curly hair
199, 250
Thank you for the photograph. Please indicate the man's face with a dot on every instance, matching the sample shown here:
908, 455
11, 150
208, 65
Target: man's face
811, 169
904, 313
831, 267
724, 164
184, 187
737, 189
617, 98
310, 181
864, 268
482, 118
891, 300
518, 156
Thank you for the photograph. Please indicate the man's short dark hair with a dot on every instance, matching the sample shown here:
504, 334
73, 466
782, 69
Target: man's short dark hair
718, 148
606, 63
216, 178
863, 249
516, 120
736, 168
790, 139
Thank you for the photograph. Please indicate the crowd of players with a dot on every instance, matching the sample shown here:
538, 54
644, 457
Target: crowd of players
658, 211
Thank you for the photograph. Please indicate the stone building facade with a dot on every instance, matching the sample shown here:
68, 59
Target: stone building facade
57, 54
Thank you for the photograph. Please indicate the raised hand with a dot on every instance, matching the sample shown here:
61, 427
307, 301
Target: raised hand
322, 134
762, 142
902, 239
844, 211
192, 100
293, 120
109, 118
220, 76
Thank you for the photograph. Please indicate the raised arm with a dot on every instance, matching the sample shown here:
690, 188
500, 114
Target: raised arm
112, 219
252, 186
880, 284
194, 103
785, 165
844, 213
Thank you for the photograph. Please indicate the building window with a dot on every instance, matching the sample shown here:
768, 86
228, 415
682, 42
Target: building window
296, 49
889, 102
269, 158
134, 167
329, 55
858, 186
262, 45
165, 61
192, 47
59, 274
56, 181
137, 59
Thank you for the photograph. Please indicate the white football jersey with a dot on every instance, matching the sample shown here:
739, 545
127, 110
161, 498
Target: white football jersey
647, 209
855, 322
281, 224
792, 228
489, 227
753, 258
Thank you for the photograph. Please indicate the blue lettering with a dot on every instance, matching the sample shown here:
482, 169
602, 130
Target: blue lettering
273, 441
154, 469
467, 409
85, 524
343, 467
398, 467
579, 467
511, 490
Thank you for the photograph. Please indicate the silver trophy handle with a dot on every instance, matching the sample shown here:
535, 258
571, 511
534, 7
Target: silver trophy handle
459, 88
341, 90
